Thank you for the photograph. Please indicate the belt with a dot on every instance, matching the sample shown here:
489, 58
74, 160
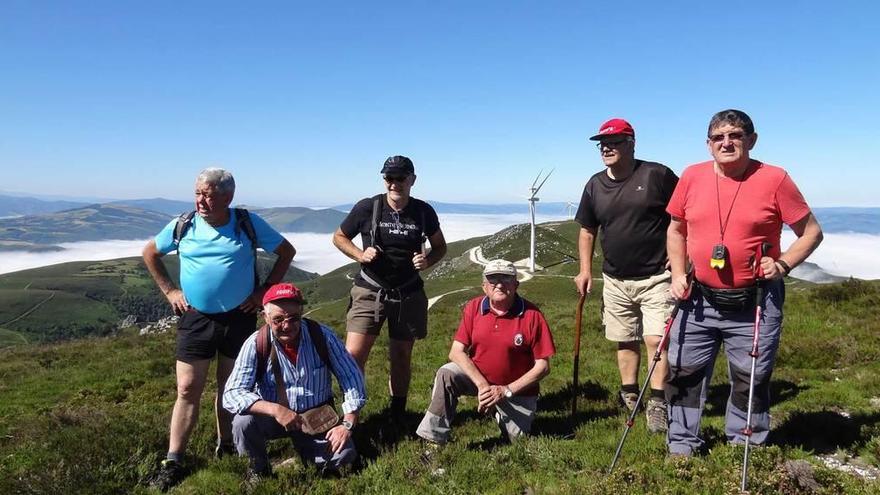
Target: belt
729, 300
383, 295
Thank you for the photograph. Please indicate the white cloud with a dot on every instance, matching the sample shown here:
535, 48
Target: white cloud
845, 254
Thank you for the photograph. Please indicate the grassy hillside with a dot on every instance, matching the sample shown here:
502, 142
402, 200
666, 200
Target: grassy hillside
87, 298
90, 416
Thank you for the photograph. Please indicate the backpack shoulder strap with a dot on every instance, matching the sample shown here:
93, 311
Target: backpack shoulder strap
183, 223
319, 340
243, 224
264, 347
374, 223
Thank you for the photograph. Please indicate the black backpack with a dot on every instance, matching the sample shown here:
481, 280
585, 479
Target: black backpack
242, 224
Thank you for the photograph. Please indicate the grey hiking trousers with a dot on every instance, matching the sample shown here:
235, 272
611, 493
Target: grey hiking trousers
695, 338
514, 415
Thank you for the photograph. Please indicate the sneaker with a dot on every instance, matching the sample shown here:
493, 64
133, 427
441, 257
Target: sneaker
655, 411
224, 449
170, 473
629, 400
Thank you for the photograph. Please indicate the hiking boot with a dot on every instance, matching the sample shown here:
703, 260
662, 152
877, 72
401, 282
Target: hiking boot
224, 449
655, 411
629, 400
170, 473
253, 478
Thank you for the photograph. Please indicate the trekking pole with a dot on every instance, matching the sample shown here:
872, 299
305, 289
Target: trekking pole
759, 298
577, 353
657, 355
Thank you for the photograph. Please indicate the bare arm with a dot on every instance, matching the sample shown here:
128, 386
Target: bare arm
156, 267
676, 249
459, 356
438, 251
809, 236
344, 244
285, 253
586, 246
539, 370
285, 417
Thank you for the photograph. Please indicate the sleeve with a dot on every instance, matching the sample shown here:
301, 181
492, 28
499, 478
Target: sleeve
239, 394
361, 212
791, 203
586, 216
267, 237
670, 180
165, 238
542, 344
346, 371
466, 326
432, 222
676, 206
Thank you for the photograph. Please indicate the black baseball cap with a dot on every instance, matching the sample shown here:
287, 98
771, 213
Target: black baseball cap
398, 165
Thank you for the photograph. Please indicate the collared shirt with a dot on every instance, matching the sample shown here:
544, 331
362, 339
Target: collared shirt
307, 381
505, 347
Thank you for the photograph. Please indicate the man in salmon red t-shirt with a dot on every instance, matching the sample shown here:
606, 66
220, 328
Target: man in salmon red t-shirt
499, 354
723, 211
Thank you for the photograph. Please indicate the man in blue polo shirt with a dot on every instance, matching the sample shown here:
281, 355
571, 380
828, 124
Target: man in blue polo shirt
218, 300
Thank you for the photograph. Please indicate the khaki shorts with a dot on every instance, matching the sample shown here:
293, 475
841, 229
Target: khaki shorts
636, 308
407, 319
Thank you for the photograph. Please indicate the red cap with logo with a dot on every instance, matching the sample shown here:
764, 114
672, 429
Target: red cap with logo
283, 291
614, 127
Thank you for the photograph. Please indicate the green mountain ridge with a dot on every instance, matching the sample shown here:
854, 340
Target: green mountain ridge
91, 415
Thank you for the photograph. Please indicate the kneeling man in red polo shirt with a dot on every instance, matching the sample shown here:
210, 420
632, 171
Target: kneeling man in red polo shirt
500, 352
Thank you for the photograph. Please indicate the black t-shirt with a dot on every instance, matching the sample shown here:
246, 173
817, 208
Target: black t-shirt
631, 217
399, 235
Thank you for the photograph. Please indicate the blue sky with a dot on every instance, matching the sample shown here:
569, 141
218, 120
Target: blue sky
303, 101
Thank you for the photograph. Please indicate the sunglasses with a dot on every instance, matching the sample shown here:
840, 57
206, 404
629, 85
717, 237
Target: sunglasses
731, 136
289, 319
610, 144
500, 279
395, 178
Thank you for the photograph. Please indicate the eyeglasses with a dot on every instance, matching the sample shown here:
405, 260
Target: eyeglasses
395, 178
500, 279
282, 319
611, 144
731, 136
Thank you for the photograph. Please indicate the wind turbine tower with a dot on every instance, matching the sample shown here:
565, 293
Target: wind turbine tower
532, 200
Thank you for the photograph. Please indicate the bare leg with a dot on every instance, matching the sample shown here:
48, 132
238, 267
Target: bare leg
628, 357
658, 379
224, 417
359, 346
191, 379
400, 352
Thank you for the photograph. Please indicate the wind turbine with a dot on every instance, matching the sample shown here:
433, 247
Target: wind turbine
570, 209
532, 200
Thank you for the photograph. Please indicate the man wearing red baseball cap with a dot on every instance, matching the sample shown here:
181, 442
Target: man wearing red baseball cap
628, 200
281, 387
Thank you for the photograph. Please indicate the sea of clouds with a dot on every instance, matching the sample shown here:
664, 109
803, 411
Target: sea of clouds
315, 252
844, 254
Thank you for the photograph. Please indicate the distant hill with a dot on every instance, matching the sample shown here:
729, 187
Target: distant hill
90, 223
301, 219
89, 298
169, 207
15, 206
549, 208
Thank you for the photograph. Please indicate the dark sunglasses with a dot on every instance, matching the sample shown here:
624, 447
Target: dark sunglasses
731, 136
395, 178
610, 144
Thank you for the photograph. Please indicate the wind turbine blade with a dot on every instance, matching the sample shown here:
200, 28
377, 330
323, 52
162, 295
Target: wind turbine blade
537, 178
543, 181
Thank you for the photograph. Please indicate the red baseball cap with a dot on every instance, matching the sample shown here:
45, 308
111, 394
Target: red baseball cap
614, 127
283, 291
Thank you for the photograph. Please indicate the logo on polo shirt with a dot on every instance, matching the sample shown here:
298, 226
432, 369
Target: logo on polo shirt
518, 339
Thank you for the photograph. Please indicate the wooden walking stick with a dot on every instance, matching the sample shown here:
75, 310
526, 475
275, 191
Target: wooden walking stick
577, 353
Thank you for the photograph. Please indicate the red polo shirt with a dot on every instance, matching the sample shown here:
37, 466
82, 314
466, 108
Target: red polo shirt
504, 347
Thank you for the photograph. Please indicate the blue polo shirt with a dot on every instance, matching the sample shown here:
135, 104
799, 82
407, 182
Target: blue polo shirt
216, 265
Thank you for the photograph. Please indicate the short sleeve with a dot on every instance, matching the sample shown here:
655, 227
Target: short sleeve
792, 205
267, 237
353, 223
432, 222
676, 206
586, 216
165, 238
542, 345
466, 327
670, 180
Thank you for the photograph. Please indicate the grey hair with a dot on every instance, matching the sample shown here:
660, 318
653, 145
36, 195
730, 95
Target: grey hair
217, 177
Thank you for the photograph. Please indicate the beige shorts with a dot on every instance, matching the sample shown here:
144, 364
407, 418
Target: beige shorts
407, 319
635, 308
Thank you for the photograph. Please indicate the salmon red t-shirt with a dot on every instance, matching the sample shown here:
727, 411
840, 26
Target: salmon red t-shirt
757, 204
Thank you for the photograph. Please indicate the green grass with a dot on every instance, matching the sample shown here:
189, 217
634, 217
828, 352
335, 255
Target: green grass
90, 416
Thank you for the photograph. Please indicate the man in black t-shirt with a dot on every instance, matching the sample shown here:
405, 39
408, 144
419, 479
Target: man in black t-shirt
393, 227
627, 201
